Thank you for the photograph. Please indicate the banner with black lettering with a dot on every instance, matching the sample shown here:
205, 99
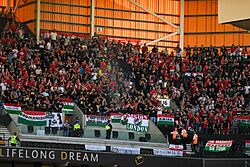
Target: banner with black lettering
125, 150
96, 120
55, 119
168, 152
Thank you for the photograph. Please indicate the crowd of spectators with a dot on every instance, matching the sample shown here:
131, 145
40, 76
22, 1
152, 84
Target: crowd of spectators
209, 85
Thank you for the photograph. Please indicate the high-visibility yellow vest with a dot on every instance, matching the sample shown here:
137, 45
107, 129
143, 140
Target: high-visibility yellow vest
13, 139
107, 127
77, 126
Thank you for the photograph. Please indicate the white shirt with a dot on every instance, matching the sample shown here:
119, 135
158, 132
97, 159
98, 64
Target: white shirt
48, 45
53, 35
3, 86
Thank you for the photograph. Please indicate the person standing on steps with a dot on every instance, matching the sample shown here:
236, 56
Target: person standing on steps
108, 128
13, 139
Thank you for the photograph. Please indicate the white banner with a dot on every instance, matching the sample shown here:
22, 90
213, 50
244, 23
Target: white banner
55, 119
90, 147
165, 102
172, 153
125, 150
176, 147
136, 121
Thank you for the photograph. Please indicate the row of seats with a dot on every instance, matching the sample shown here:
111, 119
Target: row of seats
97, 133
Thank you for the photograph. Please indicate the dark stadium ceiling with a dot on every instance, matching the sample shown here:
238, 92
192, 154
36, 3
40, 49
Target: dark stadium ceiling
245, 24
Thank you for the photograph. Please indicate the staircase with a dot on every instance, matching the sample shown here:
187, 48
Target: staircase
4, 133
188, 151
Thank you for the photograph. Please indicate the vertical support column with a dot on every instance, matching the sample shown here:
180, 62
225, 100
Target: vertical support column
8, 5
38, 21
182, 24
92, 18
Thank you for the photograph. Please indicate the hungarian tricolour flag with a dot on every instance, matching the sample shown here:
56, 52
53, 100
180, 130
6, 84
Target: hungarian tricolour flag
164, 119
243, 120
247, 147
12, 108
115, 117
68, 107
35, 118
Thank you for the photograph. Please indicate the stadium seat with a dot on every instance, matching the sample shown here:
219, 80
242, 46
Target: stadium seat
142, 139
54, 130
131, 135
30, 129
114, 134
97, 133
147, 137
47, 130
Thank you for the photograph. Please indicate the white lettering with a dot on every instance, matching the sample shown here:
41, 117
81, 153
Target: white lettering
85, 157
34, 154
13, 152
26, 154
52, 155
8, 153
71, 156
43, 155
94, 159
78, 156
20, 153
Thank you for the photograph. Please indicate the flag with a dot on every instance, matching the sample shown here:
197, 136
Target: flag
115, 118
243, 120
166, 103
12, 108
218, 145
164, 119
68, 105
35, 118
97, 120
247, 147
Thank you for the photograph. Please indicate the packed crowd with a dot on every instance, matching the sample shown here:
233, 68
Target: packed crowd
210, 86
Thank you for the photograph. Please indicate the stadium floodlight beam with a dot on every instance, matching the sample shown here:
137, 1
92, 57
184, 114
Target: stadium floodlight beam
162, 19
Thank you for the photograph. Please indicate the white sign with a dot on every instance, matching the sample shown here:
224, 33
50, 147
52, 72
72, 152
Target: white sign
165, 102
125, 150
173, 153
55, 119
90, 147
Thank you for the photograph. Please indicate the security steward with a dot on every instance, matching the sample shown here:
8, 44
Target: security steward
195, 143
108, 128
184, 136
77, 128
175, 135
13, 140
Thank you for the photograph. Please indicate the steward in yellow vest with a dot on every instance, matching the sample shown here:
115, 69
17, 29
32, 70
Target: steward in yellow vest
13, 140
108, 128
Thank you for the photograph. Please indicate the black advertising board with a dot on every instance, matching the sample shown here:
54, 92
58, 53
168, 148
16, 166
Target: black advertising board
227, 162
92, 158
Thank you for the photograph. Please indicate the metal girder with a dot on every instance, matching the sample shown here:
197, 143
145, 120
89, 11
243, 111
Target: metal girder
182, 3
38, 9
152, 13
17, 6
159, 17
92, 19
159, 39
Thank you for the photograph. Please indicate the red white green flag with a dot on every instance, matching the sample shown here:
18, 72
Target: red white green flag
164, 119
68, 105
35, 118
243, 120
12, 108
218, 145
